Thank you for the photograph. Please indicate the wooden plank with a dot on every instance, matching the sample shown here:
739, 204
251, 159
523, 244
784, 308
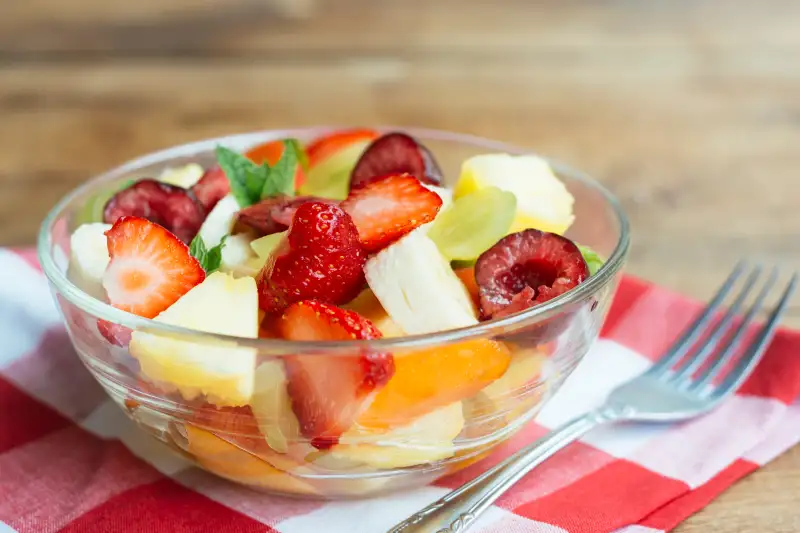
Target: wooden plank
413, 28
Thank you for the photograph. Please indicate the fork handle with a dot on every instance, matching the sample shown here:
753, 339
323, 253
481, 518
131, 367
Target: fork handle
458, 510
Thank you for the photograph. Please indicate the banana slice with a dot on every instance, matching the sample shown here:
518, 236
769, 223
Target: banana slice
185, 176
219, 221
416, 286
89, 258
238, 256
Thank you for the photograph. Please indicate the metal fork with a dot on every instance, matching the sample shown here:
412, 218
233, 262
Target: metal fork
692, 378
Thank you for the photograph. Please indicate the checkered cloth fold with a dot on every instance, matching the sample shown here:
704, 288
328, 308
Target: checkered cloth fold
71, 461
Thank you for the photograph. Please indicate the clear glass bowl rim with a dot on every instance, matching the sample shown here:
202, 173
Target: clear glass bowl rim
489, 328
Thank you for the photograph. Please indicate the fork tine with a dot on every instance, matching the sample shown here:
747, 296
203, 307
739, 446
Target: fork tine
754, 351
688, 366
694, 330
728, 350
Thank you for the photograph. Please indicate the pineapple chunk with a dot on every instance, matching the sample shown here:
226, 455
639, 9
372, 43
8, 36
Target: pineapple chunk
185, 176
222, 371
543, 202
427, 439
367, 305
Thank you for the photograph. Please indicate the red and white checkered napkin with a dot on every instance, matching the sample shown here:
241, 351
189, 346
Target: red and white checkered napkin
71, 461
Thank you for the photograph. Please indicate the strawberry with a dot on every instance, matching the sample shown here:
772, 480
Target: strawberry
329, 392
273, 215
323, 147
386, 208
116, 334
270, 152
150, 268
212, 187
226, 420
321, 259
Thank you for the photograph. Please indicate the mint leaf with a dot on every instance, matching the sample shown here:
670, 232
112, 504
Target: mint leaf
209, 259
593, 261
251, 183
281, 176
302, 155
246, 178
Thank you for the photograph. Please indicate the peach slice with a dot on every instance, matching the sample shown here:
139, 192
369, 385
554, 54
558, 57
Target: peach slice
425, 380
224, 459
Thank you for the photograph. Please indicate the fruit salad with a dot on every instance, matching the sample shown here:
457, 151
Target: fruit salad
350, 238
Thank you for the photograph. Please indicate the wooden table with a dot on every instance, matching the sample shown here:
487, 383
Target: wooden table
689, 110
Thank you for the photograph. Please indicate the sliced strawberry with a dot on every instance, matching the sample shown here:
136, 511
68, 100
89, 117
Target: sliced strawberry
116, 334
270, 153
229, 421
149, 268
525, 269
323, 147
329, 392
170, 206
386, 208
275, 214
212, 187
322, 259
396, 153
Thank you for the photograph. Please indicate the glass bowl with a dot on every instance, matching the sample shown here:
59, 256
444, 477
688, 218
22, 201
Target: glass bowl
455, 395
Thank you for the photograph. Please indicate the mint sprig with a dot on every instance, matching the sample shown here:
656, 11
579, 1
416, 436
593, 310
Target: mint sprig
302, 155
209, 259
251, 183
593, 261
281, 175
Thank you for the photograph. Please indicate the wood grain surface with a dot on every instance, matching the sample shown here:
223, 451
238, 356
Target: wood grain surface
689, 110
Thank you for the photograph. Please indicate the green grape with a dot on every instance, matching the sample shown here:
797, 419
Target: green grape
264, 246
331, 177
473, 223
92, 210
593, 261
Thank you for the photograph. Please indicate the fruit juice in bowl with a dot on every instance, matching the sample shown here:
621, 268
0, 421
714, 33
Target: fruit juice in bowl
334, 313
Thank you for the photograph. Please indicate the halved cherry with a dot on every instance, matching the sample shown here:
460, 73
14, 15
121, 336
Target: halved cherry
212, 187
274, 215
396, 153
525, 269
170, 206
